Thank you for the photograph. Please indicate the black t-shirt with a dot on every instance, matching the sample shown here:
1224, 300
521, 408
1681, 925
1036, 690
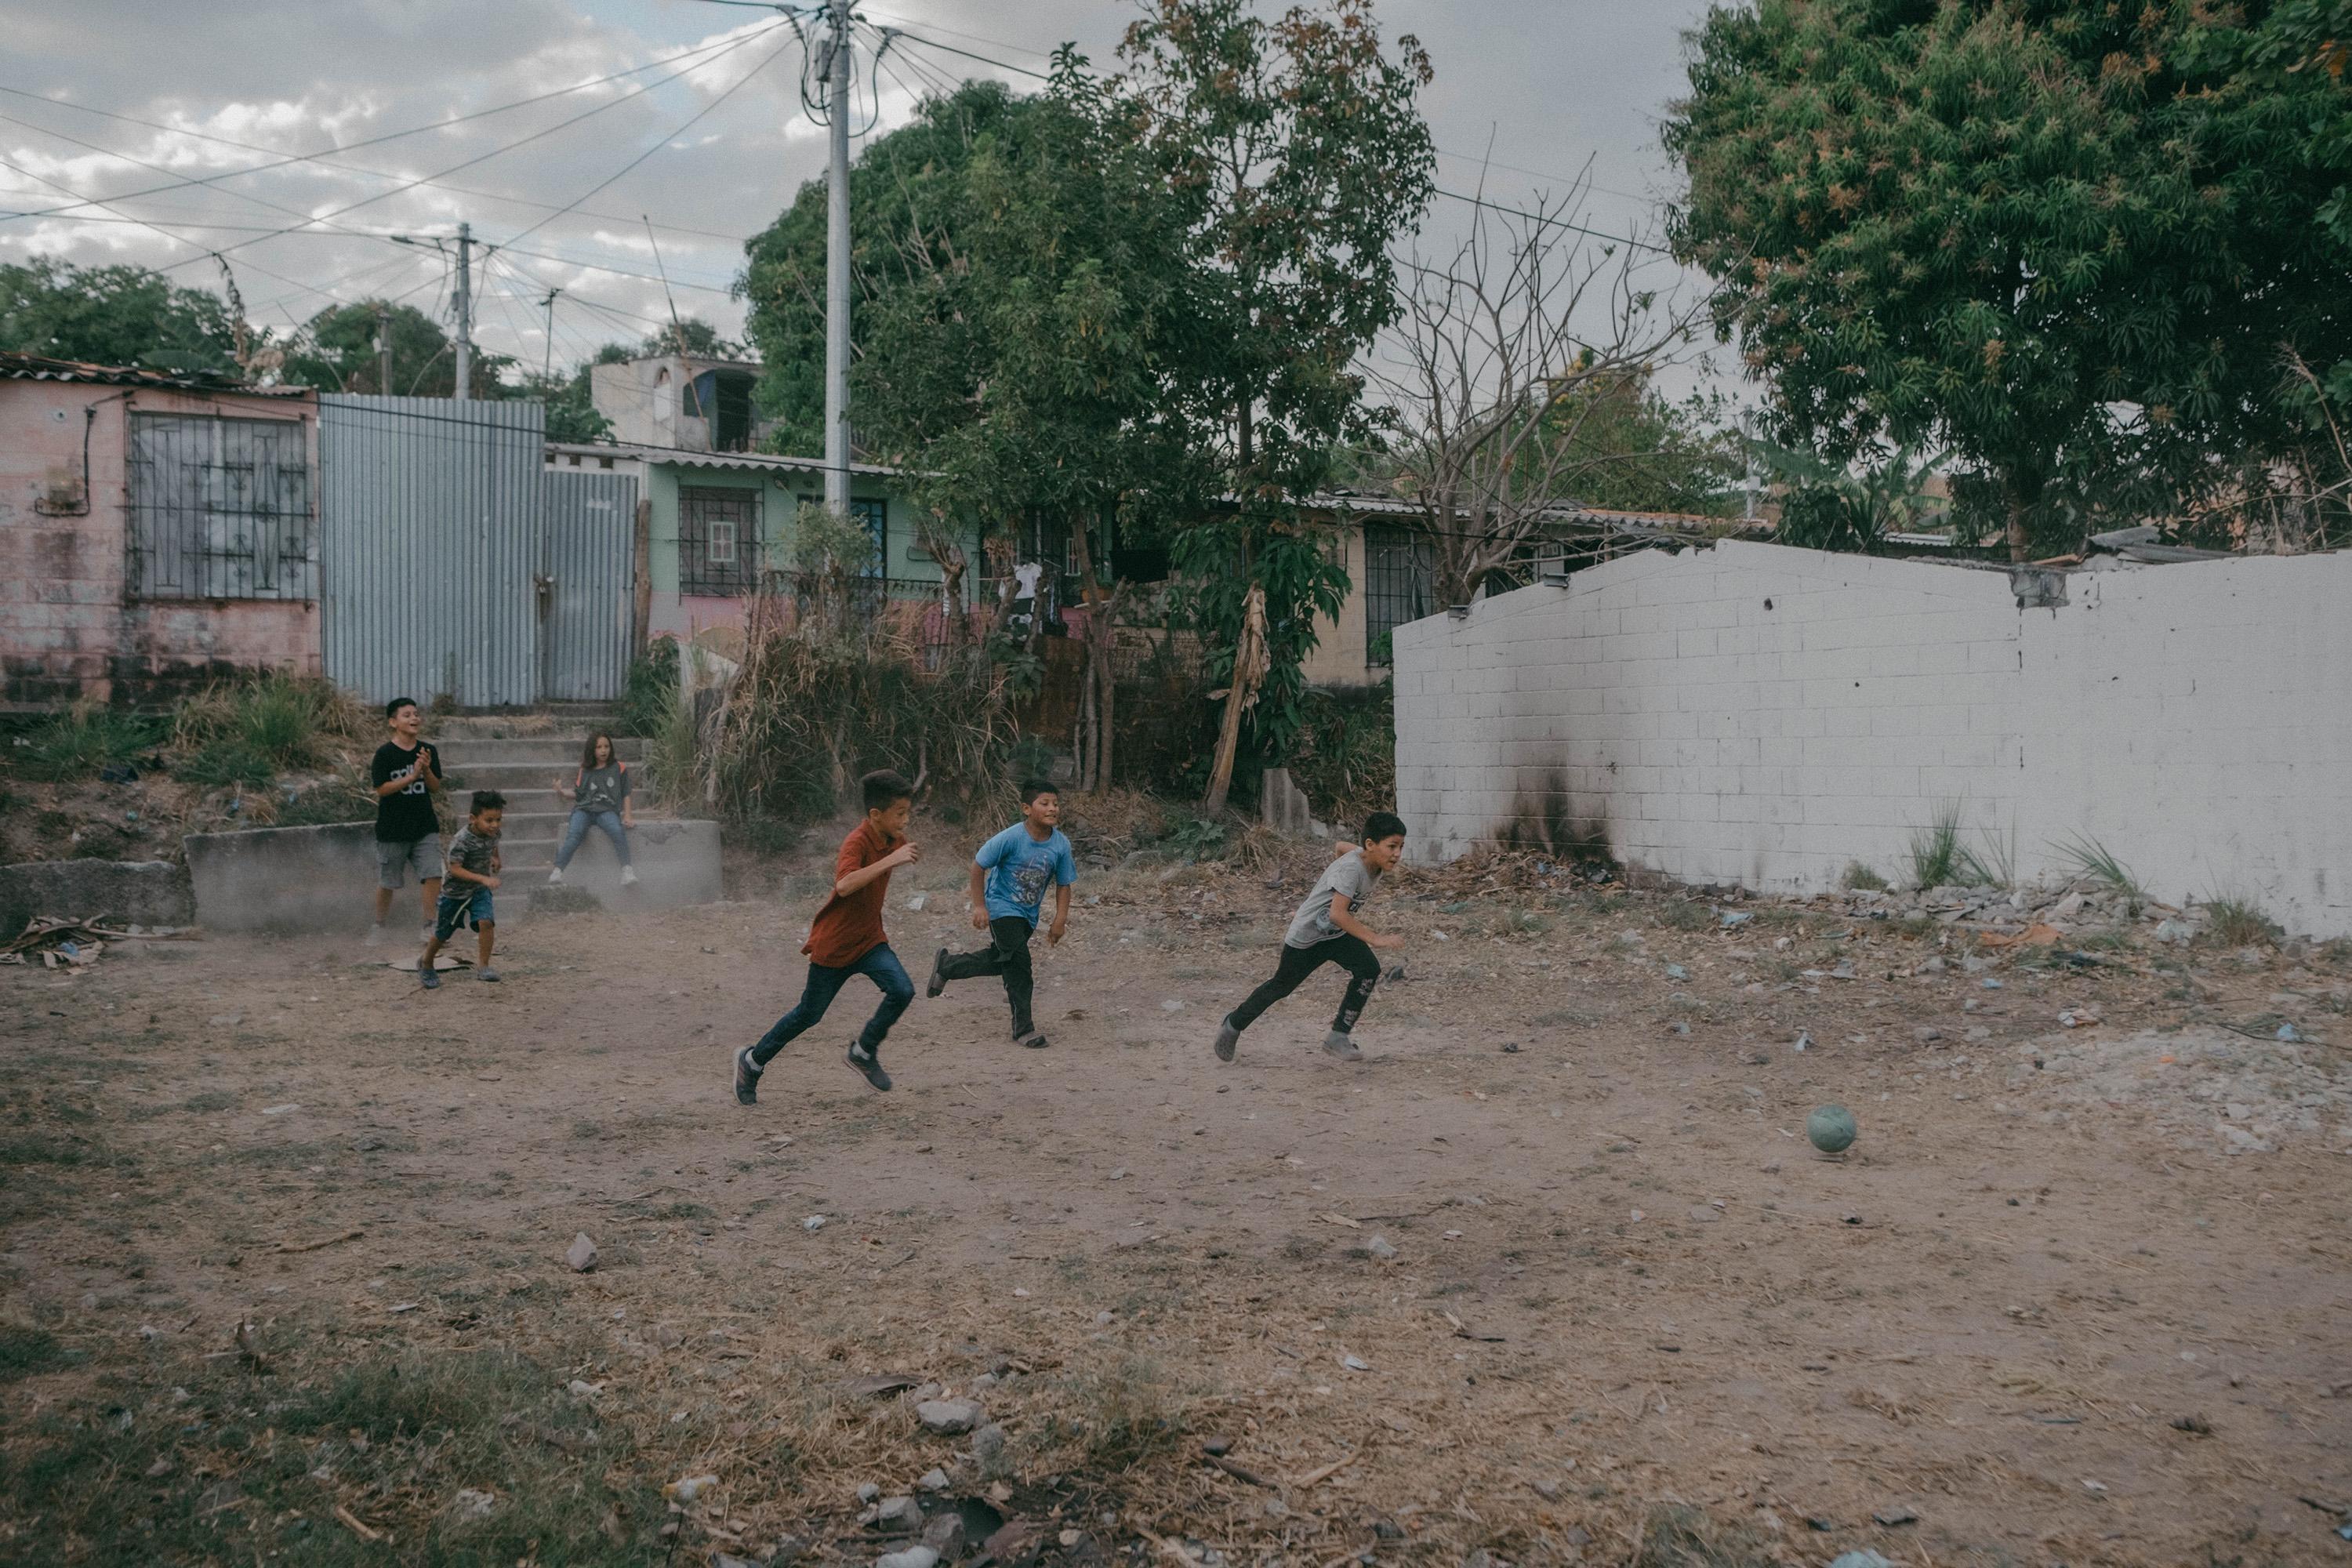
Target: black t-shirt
404, 815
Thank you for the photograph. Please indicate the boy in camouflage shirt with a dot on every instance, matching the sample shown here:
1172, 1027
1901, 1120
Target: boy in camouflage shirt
471, 875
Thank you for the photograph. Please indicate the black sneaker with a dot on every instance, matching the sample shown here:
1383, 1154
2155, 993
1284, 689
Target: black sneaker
1227, 1039
426, 977
868, 1063
747, 1078
939, 974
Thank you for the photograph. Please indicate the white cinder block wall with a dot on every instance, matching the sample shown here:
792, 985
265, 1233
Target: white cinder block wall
1764, 716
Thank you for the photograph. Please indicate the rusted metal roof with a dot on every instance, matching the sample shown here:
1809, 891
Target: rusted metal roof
37, 367
765, 462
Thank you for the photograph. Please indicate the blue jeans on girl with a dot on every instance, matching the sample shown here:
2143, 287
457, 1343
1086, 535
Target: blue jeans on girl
577, 830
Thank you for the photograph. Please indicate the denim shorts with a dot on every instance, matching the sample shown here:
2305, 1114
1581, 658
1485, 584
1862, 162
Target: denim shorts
392, 862
470, 906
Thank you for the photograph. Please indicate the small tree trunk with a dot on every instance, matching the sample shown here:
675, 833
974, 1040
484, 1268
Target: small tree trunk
1102, 608
1249, 669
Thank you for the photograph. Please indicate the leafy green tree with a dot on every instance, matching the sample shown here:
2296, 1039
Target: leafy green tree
905, 194
2057, 238
1297, 148
338, 349
1832, 505
113, 315
570, 406
1020, 361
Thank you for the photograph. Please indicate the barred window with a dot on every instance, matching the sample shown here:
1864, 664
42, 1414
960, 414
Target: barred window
220, 508
1399, 568
718, 539
875, 515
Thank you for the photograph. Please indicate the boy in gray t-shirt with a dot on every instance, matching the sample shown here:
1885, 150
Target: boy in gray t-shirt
1325, 930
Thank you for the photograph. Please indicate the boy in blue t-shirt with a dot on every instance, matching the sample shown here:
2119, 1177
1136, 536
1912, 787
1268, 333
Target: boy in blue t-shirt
1009, 878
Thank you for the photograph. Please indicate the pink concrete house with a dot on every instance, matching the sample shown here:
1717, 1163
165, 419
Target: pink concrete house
156, 531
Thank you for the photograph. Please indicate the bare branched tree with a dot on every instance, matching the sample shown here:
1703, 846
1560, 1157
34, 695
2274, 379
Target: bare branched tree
1533, 331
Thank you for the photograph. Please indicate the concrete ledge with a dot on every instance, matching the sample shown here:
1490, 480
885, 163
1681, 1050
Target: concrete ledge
138, 892
677, 863
288, 878
323, 879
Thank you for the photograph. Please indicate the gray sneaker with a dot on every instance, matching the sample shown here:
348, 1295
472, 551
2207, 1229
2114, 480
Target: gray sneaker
488, 974
747, 1078
427, 978
1343, 1046
868, 1064
1227, 1039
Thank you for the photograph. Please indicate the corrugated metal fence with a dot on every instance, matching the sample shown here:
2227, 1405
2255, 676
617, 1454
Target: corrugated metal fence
585, 569
432, 525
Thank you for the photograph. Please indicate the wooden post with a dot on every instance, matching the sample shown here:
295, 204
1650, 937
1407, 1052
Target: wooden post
641, 615
1249, 669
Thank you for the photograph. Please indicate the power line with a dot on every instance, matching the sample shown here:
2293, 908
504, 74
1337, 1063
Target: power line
521, 142
713, 50
1549, 221
706, 108
322, 160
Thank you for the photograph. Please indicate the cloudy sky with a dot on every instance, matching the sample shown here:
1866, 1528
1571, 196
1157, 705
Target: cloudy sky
157, 133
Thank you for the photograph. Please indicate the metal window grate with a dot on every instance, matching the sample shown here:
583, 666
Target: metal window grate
1399, 567
718, 539
220, 508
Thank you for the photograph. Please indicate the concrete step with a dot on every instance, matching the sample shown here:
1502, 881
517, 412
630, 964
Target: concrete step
554, 750
514, 777
573, 719
676, 863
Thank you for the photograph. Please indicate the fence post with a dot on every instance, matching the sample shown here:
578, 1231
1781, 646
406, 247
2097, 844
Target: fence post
642, 599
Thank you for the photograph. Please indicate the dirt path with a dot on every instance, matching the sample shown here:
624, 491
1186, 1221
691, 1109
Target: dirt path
1543, 1263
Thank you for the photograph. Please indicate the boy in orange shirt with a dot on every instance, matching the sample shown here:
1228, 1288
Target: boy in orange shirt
847, 939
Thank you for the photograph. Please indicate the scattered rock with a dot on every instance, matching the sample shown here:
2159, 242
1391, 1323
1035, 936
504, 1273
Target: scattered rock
1705, 1214
912, 1557
1387, 1529
988, 1444
1676, 972
581, 1256
1859, 1560
1217, 1447
474, 1504
1547, 1491
1380, 1246
918, 901
899, 1516
877, 1384
934, 1481
1355, 1363
1927, 1033
948, 1417
945, 1536
816, 1222
686, 1488
869, 1493
1891, 1517
727, 1560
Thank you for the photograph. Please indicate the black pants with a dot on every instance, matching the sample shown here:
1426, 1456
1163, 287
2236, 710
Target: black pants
1349, 952
1006, 954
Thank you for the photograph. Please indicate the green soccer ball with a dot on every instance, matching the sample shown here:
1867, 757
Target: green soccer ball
1832, 1128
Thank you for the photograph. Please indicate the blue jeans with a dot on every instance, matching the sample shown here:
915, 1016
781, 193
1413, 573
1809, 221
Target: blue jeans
881, 966
577, 829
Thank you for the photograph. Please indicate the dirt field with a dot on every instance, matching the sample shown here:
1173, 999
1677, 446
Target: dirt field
1552, 1276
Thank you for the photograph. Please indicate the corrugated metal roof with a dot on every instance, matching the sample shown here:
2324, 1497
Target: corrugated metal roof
37, 367
755, 461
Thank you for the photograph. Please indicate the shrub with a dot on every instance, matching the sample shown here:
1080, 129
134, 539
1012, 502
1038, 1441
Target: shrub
1935, 852
810, 709
81, 741
2239, 923
650, 691
1344, 757
1861, 878
248, 732
2093, 859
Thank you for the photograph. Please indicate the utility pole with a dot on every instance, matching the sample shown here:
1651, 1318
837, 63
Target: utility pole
547, 356
836, 267
464, 344
383, 348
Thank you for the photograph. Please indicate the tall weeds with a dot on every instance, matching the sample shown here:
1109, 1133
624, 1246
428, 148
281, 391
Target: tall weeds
815, 706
